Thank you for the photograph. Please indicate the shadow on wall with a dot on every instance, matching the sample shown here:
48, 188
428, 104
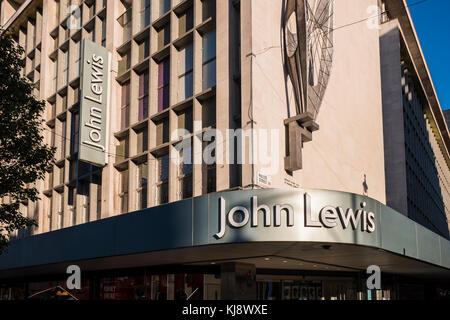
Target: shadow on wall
425, 200
412, 178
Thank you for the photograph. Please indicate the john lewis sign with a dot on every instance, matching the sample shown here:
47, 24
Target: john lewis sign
329, 216
94, 103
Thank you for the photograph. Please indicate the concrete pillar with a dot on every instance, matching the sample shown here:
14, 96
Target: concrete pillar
238, 281
394, 137
246, 88
223, 90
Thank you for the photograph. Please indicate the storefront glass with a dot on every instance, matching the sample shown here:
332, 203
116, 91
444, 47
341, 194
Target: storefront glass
302, 288
179, 286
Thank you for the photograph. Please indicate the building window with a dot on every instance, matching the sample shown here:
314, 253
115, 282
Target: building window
76, 95
145, 13
97, 180
77, 59
123, 193
65, 32
91, 11
83, 169
86, 199
72, 169
64, 103
61, 175
58, 12
63, 139
185, 120
209, 113
142, 177
65, 73
185, 170
185, 73
162, 132
60, 211
122, 150
163, 36
55, 42
50, 180
186, 22
52, 110
91, 33
144, 49
209, 172
126, 22
72, 206
142, 140
209, 178
55, 75
209, 9
209, 60
33, 32
103, 22
74, 134
164, 6
143, 95
50, 215
125, 106
163, 84
162, 179
52, 137
124, 63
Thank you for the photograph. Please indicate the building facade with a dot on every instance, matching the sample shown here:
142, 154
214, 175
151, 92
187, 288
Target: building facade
180, 123
415, 134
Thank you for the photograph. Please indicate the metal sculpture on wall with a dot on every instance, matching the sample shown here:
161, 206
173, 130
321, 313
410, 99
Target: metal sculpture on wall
308, 53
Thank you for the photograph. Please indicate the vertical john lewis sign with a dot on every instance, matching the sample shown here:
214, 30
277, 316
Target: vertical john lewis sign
94, 103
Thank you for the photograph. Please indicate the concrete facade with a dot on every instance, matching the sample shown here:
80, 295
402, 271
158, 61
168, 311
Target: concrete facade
393, 116
250, 83
416, 154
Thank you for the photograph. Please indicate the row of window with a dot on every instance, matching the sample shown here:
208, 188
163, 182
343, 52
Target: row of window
425, 200
184, 122
185, 90
186, 19
161, 182
61, 56
79, 193
65, 192
185, 79
29, 37
68, 188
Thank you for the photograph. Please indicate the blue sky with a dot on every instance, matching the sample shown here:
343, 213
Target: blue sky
431, 19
